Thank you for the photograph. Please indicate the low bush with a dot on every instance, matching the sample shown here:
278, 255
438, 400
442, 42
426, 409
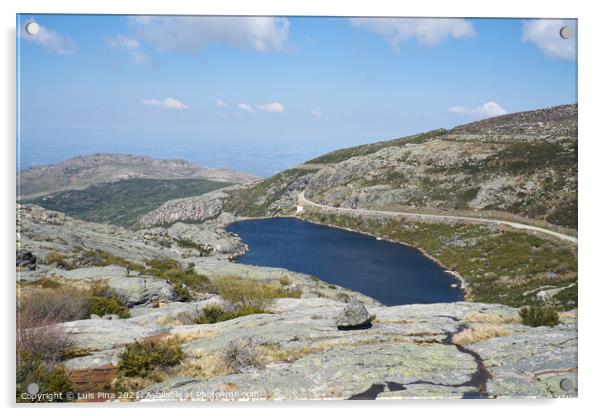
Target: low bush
182, 292
214, 313
173, 270
251, 293
41, 345
285, 280
240, 353
56, 305
100, 305
142, 358
52, 379
539, 316
58, 259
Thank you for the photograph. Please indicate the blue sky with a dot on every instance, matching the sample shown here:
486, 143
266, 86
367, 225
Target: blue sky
263, 94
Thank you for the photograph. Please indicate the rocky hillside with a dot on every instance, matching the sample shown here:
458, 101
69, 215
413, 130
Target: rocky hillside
522, 165
83, 171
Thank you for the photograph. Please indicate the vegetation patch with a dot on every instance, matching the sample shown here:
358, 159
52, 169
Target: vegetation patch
172, 270
539, 316
142, 358
344, 154
254, 200
124, 202
214, 313
479, 333
248, 293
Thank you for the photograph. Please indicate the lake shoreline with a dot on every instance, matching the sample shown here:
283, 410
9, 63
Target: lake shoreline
460, 283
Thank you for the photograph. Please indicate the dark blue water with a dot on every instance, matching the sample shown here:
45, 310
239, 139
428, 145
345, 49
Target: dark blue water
393, 274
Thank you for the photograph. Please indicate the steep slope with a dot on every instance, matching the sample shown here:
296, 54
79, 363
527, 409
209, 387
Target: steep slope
83, 171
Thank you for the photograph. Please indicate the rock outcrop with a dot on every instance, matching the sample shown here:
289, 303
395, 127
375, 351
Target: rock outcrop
408, 352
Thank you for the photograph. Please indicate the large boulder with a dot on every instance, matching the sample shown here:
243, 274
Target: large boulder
354, 316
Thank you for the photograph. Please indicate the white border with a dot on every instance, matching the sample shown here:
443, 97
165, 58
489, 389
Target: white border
590, 137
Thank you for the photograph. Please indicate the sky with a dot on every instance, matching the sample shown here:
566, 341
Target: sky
262, 94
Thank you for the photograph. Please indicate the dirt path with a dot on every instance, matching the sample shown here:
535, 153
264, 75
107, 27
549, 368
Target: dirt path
303, 201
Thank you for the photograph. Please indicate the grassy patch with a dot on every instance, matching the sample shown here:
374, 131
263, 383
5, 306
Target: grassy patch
124, 202
214, 313
489, 318
249, 293
479, 333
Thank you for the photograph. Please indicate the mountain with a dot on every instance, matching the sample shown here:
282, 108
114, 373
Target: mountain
521, 165
83, 171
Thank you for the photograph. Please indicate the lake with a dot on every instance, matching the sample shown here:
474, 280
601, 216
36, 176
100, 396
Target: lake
393, 274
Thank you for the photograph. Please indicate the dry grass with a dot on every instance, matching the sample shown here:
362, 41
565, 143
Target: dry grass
182, 318
203, 365
193, 335
567, 315
479, 333
489, 318
392, 321
61, 304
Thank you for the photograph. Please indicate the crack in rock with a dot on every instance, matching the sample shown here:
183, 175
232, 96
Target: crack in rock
478, 379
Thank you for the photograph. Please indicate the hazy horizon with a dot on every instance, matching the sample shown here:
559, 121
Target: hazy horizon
261, 94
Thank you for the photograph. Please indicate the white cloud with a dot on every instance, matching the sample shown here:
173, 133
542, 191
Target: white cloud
545, 33
169, 103
316, 113
245, 107
489, 109
51, 40
219, 103
192, 34
274, 107
129, 45
425, 31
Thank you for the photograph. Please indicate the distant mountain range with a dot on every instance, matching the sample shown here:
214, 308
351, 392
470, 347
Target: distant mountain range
82, 171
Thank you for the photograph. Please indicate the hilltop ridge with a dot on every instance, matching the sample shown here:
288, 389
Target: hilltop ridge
82, 171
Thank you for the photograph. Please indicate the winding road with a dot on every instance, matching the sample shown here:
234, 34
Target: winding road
303, 201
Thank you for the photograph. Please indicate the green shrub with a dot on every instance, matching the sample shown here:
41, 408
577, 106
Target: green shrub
141, 359
50, 377
54, 257
250, 293
101, 305
100, 258
215, 313
539, 316
285, 280
173, 270
182, 292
